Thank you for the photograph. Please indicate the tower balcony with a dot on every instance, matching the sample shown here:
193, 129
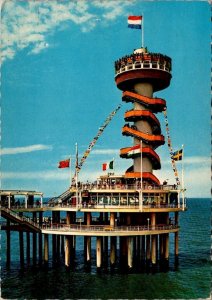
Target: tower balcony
149, 67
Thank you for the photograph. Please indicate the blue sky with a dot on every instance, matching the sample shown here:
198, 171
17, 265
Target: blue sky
57, 87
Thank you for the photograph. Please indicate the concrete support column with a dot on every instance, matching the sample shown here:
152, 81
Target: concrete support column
105, 250
153, 220
176, 244
153, 250
176, 237
89, 218
87, 239
58, 246
67, 251
9, 201
28, 247
68, 217
161, 246
166, 240
128, 220
153, 239
88, 248
8, 243
101, 217
54, 247
137, 247
98, 252
105, 217
41, 201
34, 241
112, 250
40, 237
21, 247
112, 219
46, 248
148, 249
130, 251
54, 237
143, 246
73, 244
156, 237
62, 245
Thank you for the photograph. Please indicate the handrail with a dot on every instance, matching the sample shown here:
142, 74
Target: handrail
159, 139
129, 66
103, 228
133, 113
117, 186
152, 102
22, 219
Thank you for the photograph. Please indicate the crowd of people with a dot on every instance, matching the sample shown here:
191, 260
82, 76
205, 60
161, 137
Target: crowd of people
141, 57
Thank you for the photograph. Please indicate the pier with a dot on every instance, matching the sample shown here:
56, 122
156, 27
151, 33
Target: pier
129, 216
121, 229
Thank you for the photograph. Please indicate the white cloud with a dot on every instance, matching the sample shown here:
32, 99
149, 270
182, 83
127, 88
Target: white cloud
197, 175
26, 149
28, 23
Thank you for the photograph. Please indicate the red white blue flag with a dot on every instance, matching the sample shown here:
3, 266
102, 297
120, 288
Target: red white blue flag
134, 22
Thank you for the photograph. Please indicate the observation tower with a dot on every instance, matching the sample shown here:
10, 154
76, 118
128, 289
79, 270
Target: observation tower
139, 75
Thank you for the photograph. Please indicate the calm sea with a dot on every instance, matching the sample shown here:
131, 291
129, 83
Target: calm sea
191, 279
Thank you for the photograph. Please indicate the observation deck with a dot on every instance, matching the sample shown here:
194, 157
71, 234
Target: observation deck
138, 67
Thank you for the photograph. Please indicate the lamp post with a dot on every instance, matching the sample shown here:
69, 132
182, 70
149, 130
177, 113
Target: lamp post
148, 223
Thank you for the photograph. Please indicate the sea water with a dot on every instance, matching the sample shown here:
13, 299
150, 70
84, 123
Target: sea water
190, 279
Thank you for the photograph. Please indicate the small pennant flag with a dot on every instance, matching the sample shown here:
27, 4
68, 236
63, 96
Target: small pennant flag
134, 22
178, 155
64, 164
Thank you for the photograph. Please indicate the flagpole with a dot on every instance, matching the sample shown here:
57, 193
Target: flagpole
76, 178
183, 196
142, 32
141, 183
113, 167
70, 173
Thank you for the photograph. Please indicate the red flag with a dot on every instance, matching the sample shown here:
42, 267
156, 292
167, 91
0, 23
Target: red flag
64, 163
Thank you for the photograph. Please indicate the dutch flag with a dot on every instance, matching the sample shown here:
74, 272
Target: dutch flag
134, 22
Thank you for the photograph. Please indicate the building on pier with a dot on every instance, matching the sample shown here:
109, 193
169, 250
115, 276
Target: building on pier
133, 213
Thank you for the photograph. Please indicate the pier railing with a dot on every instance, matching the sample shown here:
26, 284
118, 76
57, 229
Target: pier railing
20, 219
95, 206
116, 186
103, 228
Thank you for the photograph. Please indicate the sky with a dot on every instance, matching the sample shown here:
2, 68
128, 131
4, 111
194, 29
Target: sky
58, 87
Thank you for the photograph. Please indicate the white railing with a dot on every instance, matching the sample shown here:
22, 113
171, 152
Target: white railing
143, 65
102, 186
103, 228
